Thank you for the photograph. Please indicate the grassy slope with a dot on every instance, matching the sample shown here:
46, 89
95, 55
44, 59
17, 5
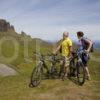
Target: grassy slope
7, 47
16, 87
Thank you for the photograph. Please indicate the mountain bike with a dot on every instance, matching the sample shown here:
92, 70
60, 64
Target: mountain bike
77, 67
37, 72
53, 72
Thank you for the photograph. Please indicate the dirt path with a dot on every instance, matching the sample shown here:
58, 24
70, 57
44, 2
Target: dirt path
6, 70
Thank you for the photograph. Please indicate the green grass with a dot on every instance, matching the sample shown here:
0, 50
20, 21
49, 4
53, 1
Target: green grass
17, 87
7, 47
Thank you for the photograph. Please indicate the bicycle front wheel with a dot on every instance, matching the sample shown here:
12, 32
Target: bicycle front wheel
80, 73
36, 76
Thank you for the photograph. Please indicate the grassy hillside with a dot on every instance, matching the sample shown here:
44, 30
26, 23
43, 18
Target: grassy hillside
17, 87
13, 43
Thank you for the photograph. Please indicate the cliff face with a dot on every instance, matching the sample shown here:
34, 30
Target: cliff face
5, 26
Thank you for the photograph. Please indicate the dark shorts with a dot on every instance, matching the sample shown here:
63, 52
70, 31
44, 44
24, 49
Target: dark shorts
85, 59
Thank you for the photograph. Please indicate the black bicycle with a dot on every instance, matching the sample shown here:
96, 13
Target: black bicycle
77, 68
37, 72
53, 72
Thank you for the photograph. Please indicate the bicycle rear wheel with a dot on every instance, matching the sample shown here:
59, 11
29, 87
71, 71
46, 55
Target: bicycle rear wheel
80, 73
72, 69
36, 76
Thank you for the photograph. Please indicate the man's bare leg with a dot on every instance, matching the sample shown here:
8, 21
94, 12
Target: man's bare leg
66, 70
87, 73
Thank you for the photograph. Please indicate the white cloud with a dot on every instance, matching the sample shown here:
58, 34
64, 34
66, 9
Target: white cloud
47, 19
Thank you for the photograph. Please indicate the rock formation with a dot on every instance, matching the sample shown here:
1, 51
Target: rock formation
5, 26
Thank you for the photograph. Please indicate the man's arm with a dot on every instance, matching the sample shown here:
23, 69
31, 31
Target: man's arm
71, 50
70, 43
57, 49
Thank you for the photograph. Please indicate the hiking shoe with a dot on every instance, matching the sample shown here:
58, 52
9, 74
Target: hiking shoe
88, 78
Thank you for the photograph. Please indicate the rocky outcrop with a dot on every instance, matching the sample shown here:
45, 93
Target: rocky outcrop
5, 26
23, 33
12, 28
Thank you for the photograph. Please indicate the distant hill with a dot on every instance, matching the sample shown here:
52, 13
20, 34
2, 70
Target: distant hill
97, 44
25, 44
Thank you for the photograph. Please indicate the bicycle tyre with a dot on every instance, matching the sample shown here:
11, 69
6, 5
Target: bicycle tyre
36, 76
80, 73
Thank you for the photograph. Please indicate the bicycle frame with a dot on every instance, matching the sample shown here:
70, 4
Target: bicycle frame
78, 66
54, 59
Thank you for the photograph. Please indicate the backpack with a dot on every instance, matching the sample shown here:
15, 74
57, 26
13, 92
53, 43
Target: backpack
85, 44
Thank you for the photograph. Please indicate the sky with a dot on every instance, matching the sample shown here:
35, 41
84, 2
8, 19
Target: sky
48, 19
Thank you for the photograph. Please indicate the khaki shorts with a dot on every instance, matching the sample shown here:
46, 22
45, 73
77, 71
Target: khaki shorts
65, 60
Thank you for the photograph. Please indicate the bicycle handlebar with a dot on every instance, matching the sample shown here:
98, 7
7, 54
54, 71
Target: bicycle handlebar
53, 57
76, 53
